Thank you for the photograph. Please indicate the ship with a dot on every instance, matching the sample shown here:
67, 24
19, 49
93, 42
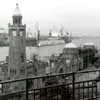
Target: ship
55, 39
50, 42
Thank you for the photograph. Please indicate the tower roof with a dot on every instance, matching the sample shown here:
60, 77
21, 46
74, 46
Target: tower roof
17, 11
70, 45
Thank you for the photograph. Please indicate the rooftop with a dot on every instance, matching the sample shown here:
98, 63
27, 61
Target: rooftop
17, 11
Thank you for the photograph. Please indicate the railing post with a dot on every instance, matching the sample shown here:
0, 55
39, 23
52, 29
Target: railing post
2, 88
26, 89
73, 83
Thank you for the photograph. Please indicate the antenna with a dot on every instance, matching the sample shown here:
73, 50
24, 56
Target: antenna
37, 30
29, 32
54, 28
61, 30
37, 26
17, 4
50, 32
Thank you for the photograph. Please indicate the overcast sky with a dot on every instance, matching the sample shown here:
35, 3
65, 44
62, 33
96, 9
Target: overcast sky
81, 17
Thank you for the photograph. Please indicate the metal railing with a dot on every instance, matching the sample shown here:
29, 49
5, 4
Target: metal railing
83, 85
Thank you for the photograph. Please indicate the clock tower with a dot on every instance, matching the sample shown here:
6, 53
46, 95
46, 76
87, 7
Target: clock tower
17, 53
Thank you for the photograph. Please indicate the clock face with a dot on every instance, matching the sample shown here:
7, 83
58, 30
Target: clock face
14, 33
21, 33
68, 61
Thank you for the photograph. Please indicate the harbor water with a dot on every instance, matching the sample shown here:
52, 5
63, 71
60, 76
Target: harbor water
49, 50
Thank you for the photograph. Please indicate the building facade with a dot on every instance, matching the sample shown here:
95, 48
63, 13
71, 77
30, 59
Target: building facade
67, 61
17, 34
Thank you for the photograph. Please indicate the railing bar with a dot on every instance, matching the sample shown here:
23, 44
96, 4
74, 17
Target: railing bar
73, 86
57, 92
88, 89
58, 85
46, 93
96, 92
61, 93
27, 89
79, 92
34, 94
92, 89
87, 71
53, 75
2, 88
83, 90
40, 94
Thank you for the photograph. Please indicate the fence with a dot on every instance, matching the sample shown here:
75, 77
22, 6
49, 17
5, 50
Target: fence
84, 85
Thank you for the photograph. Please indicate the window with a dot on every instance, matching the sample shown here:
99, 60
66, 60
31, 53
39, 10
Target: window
22, 70
13, 72
61, 70
21, 33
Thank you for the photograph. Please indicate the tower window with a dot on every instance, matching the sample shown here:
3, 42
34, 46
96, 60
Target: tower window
18, 35
21, 33
14, 33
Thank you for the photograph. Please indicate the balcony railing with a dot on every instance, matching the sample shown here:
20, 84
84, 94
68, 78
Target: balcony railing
84, 85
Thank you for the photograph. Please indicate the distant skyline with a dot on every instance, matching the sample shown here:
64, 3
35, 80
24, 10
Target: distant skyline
80, 17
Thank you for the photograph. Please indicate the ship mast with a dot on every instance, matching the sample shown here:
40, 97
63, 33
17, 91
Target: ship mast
38, 32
